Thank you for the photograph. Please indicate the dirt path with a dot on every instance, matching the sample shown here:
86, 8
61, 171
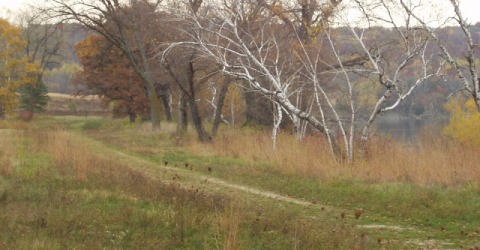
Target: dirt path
219, 182
187, 177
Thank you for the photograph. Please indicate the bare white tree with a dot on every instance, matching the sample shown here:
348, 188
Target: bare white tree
412, 46
277, 120
282, 66
467, 74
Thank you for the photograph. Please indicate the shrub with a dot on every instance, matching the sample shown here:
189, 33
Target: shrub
464, 124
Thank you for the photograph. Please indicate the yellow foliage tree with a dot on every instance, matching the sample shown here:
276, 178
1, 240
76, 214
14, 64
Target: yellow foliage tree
235, 106
464, 124
15, 70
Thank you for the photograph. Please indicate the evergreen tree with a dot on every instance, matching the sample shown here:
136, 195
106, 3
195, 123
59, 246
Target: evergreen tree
34, 98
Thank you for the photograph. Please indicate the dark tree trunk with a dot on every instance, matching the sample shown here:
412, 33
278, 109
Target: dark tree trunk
2, 112
146, 73
153, 100
165, 95
183, 113
220, 103
184, 77
132, 117
203, 136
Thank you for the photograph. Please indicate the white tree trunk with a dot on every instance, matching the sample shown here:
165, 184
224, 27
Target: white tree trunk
277, 120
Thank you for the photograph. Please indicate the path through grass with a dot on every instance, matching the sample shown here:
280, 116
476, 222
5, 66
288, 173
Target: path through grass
140, 186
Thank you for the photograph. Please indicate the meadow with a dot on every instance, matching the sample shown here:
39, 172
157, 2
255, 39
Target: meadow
88, 183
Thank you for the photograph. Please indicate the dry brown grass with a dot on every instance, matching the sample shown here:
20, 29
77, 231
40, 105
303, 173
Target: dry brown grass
13, 124
72, 161
69, 157
76, 158
7, 152
290, 155
61, 104
434, 159
10, 140
231, 226
70, 97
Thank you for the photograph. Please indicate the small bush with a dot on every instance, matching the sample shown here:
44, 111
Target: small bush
464, 123
72, 106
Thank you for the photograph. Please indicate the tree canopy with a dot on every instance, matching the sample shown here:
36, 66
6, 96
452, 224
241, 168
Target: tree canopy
107, 72
15, 69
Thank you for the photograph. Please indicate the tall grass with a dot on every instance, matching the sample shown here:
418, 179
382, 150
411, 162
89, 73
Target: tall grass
71, 158
432, 159
231, 226
82, 190
76, 187
7, 154
10, 142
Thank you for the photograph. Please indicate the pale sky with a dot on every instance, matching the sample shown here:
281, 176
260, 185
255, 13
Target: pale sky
13, 5
470, 8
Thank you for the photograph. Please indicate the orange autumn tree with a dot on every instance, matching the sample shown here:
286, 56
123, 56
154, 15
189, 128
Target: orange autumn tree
108, 73
15, 70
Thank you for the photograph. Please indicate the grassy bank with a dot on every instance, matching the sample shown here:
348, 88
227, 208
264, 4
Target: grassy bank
400, 200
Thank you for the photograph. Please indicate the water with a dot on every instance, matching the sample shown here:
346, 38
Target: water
406, 128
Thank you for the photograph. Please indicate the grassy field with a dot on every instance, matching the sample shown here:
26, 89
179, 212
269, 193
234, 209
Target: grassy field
92, 183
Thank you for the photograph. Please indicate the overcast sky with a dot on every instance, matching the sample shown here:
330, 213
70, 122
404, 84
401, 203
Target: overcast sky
470, 8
